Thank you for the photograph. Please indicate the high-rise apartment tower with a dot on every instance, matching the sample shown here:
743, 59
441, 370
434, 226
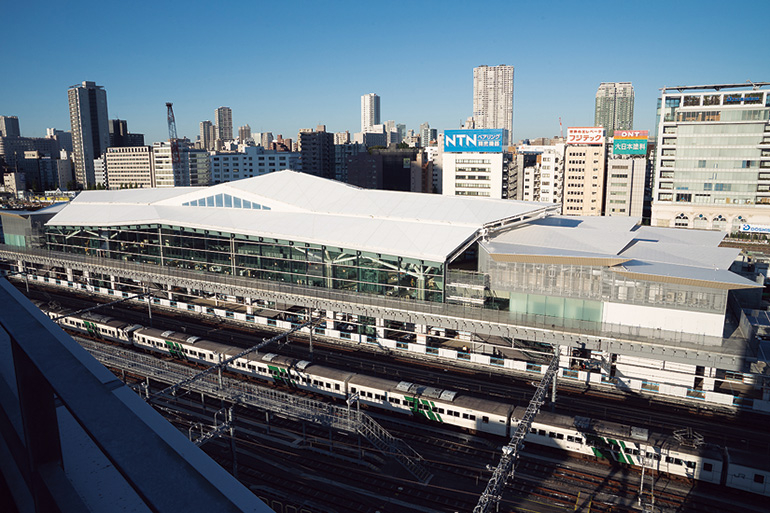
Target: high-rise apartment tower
370, 111
614, 106
493, 97
224, 123
90, 129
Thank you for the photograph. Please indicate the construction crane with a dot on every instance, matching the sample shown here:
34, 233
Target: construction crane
176, 160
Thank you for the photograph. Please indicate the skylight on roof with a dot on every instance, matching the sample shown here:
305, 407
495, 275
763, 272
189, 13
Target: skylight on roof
224, 201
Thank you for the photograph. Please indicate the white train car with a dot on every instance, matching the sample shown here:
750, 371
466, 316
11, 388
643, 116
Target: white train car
614, 442
748, 471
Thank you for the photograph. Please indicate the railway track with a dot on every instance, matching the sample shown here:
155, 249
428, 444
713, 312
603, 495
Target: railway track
748, 430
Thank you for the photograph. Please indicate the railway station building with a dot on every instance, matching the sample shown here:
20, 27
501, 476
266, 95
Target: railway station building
470, 281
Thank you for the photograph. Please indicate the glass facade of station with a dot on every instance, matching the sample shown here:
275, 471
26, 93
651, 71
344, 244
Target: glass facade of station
257, 257
579, 291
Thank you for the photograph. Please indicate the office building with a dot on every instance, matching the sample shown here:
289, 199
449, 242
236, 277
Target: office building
624, 191
370, 111
252, 161
342, 154
342, 137
401, 129
129, 167
712, 164
165, 174
9, 126
198, 164
428, 135
244, 134
90, 130
475, 163
207, 135
223, 116
493, 97
121, 137
390, 169
63, 139
614, 106
317, 152
266, 140
584, 171
12, 148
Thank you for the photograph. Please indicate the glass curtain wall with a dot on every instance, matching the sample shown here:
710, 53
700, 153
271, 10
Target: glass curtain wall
257, 257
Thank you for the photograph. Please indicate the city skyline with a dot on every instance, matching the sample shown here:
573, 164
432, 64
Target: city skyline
550, 84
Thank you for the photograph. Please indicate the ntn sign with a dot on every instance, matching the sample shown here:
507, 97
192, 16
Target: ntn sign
489, 140
585, 135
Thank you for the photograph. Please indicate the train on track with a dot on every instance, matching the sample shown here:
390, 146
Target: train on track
592, 438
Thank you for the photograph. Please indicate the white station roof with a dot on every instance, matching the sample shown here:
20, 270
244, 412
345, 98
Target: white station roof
659, 254
302, 207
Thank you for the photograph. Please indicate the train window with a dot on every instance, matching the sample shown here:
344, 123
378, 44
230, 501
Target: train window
472, 417
336, 386
541, 432
315, 382
570, 438
434, 409
485, 420
708, 467
441, 410
759, 479
533, 431
353, 390
252, 368
328, 385
369, 394
397, 401
559, 436
677, 461
690, 464
579, 441
551, 434
669, 459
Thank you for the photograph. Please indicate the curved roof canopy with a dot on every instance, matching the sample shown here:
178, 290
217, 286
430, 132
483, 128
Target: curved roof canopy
295, 206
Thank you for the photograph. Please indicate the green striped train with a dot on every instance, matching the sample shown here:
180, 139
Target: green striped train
591, 438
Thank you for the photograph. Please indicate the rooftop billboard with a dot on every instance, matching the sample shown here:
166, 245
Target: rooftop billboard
490, 140
585, 135
630, 142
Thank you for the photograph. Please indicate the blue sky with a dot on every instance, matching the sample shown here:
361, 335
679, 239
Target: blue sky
282, 66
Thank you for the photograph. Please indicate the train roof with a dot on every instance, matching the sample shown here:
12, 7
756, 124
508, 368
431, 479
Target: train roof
321, 371
753, 459
173, 336
588, 425
483, 405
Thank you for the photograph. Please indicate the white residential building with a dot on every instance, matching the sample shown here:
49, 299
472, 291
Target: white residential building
493, 97
370, 111
254, 161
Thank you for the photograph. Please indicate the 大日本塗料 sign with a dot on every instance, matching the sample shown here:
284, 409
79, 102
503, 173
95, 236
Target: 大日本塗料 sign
630, 142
